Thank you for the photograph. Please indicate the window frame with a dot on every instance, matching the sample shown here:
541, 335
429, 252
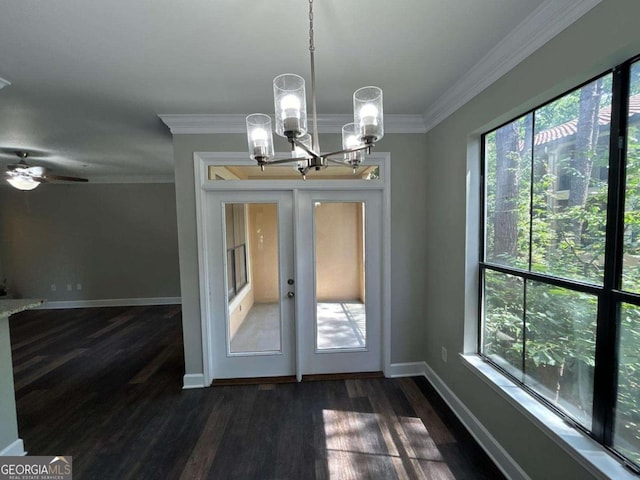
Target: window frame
610, 295
233, 287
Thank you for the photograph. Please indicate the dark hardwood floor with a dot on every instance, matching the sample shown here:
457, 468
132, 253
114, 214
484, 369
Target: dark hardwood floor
104, 386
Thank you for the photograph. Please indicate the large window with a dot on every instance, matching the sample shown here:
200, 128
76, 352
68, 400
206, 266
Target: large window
560, 261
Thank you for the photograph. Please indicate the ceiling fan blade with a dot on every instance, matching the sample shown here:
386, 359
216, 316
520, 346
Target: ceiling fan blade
63, 178
17, 166
35, 171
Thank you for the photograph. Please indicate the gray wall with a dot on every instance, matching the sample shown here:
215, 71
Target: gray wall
604, 37
408, 200
117, 240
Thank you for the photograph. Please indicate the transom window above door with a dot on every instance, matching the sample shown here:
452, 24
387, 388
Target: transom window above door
253, 172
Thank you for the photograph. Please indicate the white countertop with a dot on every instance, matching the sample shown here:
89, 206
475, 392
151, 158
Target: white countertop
14, 305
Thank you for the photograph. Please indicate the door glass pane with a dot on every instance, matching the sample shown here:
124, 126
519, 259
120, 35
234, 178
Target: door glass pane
254, 320
240, 267
340, 275
228, 222
231, 282
631, 267
560, 334
627, 423
239, 224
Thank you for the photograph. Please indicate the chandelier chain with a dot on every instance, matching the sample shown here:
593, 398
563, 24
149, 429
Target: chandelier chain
291, 122
312, 47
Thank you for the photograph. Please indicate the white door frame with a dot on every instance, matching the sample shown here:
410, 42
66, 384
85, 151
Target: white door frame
204, 160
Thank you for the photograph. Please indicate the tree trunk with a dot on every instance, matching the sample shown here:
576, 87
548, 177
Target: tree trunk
584, 153
506, 215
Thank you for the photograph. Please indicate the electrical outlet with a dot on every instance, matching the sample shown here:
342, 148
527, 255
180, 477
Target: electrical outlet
444, 354
53, 287
69, 287
79, 286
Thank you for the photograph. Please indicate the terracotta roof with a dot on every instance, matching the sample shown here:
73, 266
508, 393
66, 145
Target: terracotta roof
570, 128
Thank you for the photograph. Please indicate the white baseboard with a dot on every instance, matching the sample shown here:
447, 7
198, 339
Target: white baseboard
15, 449
193, 380
478, 431
411, 369
110, 302
489, 444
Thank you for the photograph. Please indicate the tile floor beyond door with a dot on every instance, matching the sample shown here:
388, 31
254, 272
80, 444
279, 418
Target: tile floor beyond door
340, 325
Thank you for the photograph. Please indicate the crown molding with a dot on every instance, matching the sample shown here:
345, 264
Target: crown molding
544, 23
4, 83
207, 124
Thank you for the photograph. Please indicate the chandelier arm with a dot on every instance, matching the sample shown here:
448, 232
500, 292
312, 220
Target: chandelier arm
302, 146
337, 162
286, 160
346, 150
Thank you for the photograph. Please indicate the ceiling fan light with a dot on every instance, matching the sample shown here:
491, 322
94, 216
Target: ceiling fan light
290, 105
23, 183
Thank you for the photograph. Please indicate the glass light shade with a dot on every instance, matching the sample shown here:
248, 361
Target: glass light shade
23, 183
368, 114
260, 137
351, 138
290, 103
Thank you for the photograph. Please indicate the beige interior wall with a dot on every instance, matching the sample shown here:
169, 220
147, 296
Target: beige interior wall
338, 251
240, 311
361, 252
263, 246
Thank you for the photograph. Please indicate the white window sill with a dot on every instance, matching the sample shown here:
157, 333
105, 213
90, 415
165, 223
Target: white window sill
237, 300
582, 448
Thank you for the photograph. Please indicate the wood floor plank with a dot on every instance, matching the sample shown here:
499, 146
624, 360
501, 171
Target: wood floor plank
144, 374
113, 324
49, 366
105, 386
30, 362
437, 429
206, 449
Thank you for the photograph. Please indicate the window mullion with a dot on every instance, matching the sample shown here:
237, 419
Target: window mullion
605, 375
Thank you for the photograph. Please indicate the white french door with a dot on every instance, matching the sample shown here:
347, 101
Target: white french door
339, 245
251, 263
295, 280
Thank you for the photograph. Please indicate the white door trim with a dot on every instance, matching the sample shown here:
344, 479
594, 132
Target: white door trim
203, 160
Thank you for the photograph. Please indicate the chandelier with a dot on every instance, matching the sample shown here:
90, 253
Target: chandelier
291, 123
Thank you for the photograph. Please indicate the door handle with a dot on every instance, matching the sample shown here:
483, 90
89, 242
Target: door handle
291, 294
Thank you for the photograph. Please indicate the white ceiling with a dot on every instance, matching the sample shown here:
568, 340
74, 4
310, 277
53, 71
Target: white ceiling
89, 77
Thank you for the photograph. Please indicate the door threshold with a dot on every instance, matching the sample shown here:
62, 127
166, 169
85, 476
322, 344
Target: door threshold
341, 376
224, 382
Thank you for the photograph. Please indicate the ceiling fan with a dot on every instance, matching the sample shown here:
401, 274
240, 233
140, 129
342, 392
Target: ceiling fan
27, 177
